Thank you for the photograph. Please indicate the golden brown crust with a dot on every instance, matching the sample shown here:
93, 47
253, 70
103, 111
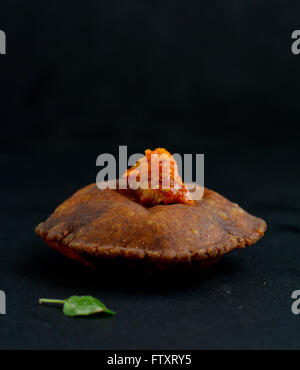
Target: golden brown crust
105, 224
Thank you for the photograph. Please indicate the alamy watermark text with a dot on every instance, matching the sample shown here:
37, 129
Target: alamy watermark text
2, 303
2, 42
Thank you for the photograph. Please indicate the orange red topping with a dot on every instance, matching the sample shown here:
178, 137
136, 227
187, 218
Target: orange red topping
155, 179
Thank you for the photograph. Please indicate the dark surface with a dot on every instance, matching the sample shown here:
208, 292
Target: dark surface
242, 302
81, 78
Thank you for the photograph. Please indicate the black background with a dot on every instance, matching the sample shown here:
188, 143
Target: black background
81, 78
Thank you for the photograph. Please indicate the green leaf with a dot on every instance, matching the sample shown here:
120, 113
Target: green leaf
80, 305
85, 305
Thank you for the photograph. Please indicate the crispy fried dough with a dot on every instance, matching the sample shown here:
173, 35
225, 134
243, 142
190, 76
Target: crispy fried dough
106, 224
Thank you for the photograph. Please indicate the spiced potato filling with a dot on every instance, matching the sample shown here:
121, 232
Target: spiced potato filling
158, 179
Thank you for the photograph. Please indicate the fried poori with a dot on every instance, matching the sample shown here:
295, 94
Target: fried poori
99, 225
